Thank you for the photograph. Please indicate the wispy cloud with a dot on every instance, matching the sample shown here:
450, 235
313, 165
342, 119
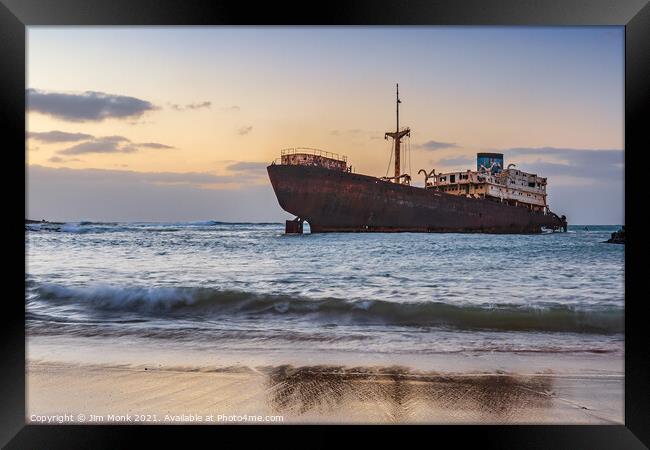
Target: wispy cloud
191, 106
110, 144
247, 166
190, 178
86, 106
462, 162
56, 136
354, 131
245, 130
357, 133
153, 145
435, 145
196, 179
107, 144
58, 160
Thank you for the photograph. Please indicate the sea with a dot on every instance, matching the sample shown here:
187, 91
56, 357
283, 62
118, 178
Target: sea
246, 291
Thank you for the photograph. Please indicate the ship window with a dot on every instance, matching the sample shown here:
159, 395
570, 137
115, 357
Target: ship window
452, 178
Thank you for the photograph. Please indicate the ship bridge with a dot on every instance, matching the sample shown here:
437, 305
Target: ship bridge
509, 185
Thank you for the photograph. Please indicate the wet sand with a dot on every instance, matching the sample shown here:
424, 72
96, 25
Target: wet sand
315, 394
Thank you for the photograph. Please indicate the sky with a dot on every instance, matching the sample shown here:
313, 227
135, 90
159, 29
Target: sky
179, 123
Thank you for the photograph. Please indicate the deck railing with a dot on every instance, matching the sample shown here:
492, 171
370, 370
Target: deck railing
313, 151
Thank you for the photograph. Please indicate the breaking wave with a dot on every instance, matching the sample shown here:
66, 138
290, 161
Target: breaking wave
209, 303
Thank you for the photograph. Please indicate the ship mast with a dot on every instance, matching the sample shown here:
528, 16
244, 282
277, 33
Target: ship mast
397, 136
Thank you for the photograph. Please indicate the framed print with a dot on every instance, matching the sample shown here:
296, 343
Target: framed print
414, 214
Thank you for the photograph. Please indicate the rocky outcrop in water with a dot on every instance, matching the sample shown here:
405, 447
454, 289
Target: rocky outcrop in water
618, 237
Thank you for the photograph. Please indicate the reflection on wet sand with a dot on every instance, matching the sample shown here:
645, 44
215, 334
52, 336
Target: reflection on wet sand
324, 394
400, 395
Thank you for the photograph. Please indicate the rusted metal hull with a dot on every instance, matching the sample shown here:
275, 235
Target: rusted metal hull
337, 201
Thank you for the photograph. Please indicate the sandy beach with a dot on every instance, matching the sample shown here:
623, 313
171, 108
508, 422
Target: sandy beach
61, 391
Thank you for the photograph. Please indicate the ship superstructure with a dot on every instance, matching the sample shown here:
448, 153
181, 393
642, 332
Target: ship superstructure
511, 185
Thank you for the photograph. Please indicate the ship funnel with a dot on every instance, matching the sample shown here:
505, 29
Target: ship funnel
486, 160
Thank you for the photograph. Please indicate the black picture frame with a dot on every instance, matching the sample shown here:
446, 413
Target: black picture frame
16, 15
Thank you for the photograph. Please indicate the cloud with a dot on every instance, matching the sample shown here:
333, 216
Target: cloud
107, 144
245, 130
192, 178
463, 161
86, 106
66, 194
599, 165
110, 144
247, 166
586, 185
153, 145
198, 105
354, 131
197, 179
59, 160
58, 136
233, 108
435, 145
190, 106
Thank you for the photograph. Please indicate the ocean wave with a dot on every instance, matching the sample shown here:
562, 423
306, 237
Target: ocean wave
85, 222
107, 227
209, 303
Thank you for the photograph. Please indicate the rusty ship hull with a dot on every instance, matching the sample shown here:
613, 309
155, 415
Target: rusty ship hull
340, 201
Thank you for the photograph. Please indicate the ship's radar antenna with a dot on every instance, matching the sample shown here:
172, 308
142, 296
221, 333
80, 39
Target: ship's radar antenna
397, 136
